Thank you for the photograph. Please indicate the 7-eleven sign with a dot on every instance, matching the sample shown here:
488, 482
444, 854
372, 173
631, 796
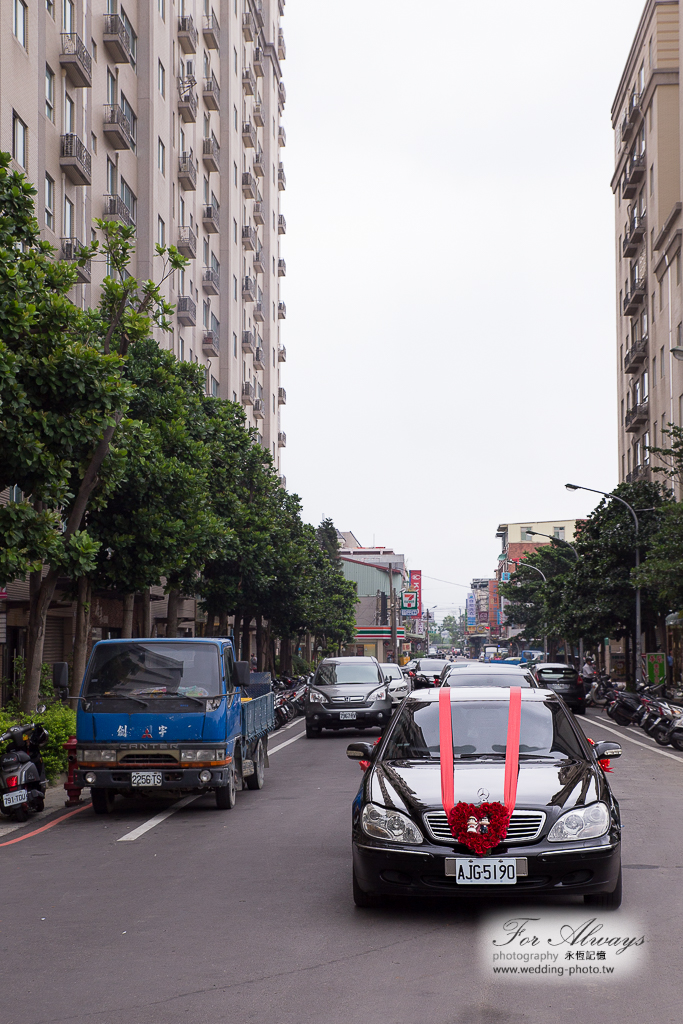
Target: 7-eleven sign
408, 601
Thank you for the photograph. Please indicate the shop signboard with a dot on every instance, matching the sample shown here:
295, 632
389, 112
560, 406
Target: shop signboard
415, 584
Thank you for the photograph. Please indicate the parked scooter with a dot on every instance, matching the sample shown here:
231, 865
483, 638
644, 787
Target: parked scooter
602, 691
22, 773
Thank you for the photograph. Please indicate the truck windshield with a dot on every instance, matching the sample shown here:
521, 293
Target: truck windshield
154, 670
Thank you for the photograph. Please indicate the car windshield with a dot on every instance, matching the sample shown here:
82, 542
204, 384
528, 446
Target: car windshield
431, 665
480, 729
331, 673
152, 670
502, 678
556, 675
392, 671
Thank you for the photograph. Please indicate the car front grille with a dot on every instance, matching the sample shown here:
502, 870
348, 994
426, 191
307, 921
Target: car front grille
348, 700
525, 826
148, 759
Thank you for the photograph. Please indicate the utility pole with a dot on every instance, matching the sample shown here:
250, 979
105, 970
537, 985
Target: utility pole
392, 612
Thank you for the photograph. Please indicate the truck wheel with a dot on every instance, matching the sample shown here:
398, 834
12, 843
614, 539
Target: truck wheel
256, 780
102, 800
225, 796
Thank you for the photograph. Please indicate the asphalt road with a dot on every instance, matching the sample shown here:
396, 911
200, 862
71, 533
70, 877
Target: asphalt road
246, 915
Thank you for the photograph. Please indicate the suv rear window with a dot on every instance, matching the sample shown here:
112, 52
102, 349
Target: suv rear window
557, 675
465, 678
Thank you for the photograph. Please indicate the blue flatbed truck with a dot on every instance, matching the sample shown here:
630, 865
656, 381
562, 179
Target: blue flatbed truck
174, 715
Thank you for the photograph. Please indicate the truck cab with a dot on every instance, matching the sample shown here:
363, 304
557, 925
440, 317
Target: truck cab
174, 714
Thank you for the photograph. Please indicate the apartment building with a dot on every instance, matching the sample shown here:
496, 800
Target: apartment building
646, 117
165, 114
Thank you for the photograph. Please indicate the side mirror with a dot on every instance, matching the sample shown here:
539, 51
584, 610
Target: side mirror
606, 748
359, 751
242, 669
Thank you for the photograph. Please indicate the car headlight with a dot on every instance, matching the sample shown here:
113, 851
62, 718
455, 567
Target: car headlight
97, 755
379, 694
202, 755
381, 823
581, 823
316, 697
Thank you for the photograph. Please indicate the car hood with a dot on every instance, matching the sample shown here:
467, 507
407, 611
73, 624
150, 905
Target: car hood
339, 690
416, 787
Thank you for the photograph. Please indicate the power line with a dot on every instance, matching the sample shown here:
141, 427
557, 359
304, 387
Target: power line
449, 582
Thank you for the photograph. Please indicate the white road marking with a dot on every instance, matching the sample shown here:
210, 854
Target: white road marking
271, 750
638, 743
158, 818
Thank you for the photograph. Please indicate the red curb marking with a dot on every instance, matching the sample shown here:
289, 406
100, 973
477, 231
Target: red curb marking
37, 831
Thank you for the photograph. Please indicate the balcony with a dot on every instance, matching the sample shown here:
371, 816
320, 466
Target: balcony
259, 358
117, 128
257, 115
281, 94
249, 135
281, 179
637, 417
258, 60
248, 81
259, 164
259, 213
281, 224
74, 159
636, 356
633, 108
187, 242
281, 311
258, 13
187, 34
76, 60
211, 281
212, 31
281, 268
282, 354
187, 172
116, 209
281, 396
212, 93
248, 289
281, 6
70, 251
187, 100
282, 480
248, 185
248, 343
281, 440
210, 344
211, 218
259, 412
281, 48
637, 473
211, 154
248, 238
116, 39
634, 297
248, 27
259, 262
259, 313
281, 136
633, 236
187, 311
633, 175
247, 393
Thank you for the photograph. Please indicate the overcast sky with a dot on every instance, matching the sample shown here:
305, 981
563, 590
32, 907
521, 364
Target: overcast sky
450, 299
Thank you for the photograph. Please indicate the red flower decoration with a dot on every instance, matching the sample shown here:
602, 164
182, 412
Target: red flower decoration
604, 762
479, 842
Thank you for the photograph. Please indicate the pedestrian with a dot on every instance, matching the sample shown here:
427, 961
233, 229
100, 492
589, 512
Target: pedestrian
253, 663
588, 670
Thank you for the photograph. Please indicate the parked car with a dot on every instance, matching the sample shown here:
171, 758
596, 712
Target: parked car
564, 680
347, 693
399, 685
428, 671
564, 834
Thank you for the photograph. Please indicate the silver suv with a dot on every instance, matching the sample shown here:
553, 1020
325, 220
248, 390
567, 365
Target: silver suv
347, 693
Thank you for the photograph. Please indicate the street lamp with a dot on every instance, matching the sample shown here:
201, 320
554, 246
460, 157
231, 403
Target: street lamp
606, 494
519, 561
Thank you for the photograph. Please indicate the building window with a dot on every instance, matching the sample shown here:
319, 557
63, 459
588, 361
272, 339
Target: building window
19, 141
50, 7
111, 87
636, 455
234, 167
181, 347
558, 532
646, 449
111, 177
205, 246
654, 371
68, 218
161, 156
652, 179
161, 231
129, 199
93, 142
234, 230
234, 51
49, 202
161, 4
20, 22
68, 16
234, 287
49, 93
234, 344
161, 78
661, 362
525, 531
234, 111
69, 115
205, 314
93, 50
132, 120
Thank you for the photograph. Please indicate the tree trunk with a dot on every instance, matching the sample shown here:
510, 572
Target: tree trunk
172, 613
82, 634
259, 643
223, 624
146, 614
246, 636
41, 590
128, 607
236, 633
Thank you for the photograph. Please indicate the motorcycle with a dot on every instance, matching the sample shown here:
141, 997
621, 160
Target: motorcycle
632, 708
22, 772
602, 691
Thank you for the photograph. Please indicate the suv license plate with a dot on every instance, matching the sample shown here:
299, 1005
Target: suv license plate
145, 779
347, 716
20, 796
469, 871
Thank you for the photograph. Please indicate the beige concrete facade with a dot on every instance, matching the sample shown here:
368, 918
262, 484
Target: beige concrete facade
646, 117
166, 114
